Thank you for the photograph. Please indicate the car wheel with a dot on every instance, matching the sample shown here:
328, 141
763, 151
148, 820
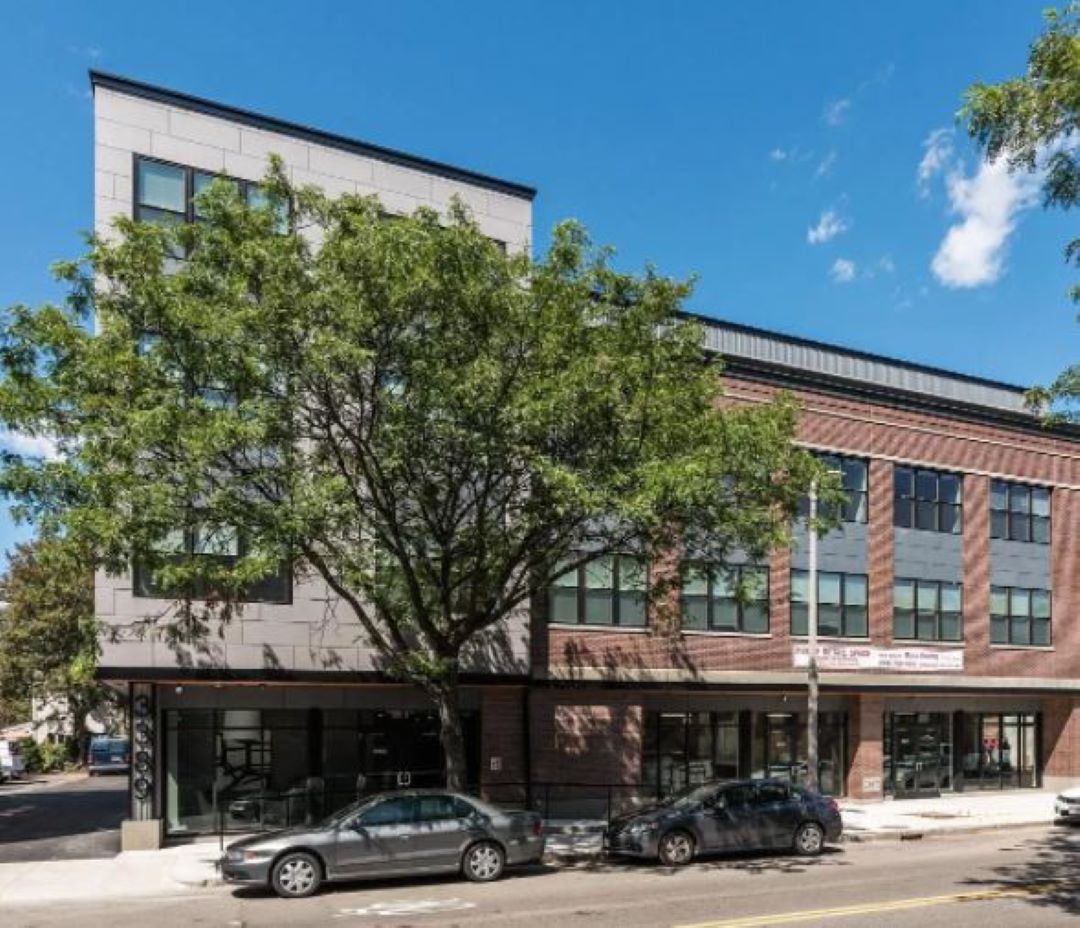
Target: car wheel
676, 849
809, 839
296, 875
483, 862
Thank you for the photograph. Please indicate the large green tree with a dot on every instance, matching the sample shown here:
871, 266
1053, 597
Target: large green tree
1033, 121
433, 426
48, 634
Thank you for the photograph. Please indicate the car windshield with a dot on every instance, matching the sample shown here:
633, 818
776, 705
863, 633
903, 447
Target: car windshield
691, 796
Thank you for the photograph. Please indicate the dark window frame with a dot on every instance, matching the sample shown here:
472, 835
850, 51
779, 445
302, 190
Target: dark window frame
848, 610
144, 585
616, 593
189, 216
858, 500
1011, 620
714, 600
911, 507
1007, 523
939, 615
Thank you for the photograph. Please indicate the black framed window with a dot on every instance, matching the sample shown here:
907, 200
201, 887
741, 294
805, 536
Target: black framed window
841, 602
854, 480
224, 545
1019, 615
166, 192
610, 590
927, 610
733, 598
929, 500
1019, 512
680, 749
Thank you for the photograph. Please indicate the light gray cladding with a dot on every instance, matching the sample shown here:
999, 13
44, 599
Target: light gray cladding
1018, 563
842, 550
784, 351
921, 555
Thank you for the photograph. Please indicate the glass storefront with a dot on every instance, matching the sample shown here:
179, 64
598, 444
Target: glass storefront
680, 749
779, 748
926, 753
242, 769
998, 751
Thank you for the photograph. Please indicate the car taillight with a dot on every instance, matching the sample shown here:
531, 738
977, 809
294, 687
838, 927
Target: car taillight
833, 804
538, 827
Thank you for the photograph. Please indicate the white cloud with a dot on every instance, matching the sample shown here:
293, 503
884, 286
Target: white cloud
830, 225
936, 158
778, 154
842, 271
972, 254
886, 264
825, 165
836, 111
26, 445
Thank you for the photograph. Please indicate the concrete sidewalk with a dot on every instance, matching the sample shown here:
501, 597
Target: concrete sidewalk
190, 867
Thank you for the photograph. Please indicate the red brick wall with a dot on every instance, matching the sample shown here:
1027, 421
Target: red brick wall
880, 432
1061, 738
865, 730
502, 719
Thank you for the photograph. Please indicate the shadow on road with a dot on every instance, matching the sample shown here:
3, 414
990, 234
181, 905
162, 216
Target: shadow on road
1050, 879
76, 819
748, 862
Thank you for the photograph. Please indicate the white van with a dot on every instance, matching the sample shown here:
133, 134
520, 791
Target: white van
11, 761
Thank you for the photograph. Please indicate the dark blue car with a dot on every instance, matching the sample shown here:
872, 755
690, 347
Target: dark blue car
730, 815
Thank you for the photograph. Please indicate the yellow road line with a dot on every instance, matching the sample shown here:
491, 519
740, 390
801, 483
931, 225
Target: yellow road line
868, 908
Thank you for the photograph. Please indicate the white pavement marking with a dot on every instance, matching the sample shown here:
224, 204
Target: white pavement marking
408, 907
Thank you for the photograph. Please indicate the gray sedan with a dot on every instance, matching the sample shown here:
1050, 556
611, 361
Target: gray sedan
402, 833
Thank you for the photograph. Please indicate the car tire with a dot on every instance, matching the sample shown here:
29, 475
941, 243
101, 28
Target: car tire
676, 848
296, 875
809, 839
483, 862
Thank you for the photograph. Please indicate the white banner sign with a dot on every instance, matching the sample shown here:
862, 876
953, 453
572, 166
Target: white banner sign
870, 657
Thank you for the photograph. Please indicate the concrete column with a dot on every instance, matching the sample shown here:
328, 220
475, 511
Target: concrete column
143, 830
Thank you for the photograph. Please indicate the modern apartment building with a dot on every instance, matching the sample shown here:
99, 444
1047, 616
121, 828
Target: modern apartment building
951, 655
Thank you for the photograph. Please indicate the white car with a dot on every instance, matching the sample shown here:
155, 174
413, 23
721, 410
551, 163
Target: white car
1067, 805
11, 761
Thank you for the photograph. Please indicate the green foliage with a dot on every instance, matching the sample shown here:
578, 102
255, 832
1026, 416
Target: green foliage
1033, 122
50, 757
430, 425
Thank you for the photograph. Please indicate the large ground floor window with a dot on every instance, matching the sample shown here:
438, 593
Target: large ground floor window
244, 769
681, 749
926, 753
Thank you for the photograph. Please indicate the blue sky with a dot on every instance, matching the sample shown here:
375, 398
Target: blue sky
800, 159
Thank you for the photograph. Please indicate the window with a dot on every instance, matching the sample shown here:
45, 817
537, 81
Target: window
854, 482
389, 812
841, 604
768, 793
611, 590
681, 749
1019, 512
223, 543
927, 500
728, 599
438, 809
927, 610
166, 193
1019, 616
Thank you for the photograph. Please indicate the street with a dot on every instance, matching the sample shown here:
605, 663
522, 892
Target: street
66, 817
1024, 877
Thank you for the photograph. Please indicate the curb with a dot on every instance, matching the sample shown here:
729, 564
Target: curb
917, 834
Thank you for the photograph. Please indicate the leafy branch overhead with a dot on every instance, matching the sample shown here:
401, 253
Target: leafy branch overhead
397, 407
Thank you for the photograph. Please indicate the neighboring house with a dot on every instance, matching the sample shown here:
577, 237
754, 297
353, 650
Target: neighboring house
951, 656
51, 720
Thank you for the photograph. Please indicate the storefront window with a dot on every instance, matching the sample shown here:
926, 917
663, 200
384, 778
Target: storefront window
998, 751
779, 748
680, 749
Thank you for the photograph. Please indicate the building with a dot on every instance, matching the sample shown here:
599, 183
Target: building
950, 653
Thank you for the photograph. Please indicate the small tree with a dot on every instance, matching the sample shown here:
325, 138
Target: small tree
1034, 123
48, 634
434, 427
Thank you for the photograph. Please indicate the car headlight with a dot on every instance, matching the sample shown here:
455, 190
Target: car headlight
245, 856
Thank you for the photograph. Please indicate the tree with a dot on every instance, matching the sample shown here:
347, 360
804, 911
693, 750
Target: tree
48, 634
434, 427
1033, 122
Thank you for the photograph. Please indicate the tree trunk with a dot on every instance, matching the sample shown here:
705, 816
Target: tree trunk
451, 733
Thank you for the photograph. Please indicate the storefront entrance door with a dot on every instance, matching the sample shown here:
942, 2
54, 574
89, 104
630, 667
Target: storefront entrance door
921, 755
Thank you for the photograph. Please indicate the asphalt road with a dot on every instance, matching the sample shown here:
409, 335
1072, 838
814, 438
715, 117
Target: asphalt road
1022, 879
61, 818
